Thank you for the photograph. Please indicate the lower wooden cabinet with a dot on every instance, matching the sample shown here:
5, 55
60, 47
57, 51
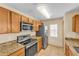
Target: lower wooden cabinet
68, 51
20, 52
39, 44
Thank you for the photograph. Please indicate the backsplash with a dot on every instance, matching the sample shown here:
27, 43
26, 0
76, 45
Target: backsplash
13, 36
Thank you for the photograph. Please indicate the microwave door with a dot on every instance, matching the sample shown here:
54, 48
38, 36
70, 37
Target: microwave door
25, 27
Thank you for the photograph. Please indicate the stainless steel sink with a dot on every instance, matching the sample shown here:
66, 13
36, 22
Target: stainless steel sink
77, 49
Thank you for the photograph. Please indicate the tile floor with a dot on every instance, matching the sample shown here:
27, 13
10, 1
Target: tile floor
51, 51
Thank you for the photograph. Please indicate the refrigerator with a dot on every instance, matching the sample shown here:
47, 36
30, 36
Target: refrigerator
44, 36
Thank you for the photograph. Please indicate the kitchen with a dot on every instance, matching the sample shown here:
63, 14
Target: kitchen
19, 32
23, 32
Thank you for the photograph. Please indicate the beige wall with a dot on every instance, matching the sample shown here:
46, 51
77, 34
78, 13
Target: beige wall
13, 36
52, 40
68, 24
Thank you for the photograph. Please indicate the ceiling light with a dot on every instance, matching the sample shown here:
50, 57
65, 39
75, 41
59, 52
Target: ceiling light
43, 10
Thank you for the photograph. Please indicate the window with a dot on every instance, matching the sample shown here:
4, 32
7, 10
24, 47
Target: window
46, 28
53, 30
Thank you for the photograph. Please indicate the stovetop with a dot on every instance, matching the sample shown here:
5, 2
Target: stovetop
28, 41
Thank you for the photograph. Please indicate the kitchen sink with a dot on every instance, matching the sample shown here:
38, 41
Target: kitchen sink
77, 49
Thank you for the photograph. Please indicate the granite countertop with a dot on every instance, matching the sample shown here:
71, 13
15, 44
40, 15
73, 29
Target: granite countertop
35, 37
9, 47
73, 43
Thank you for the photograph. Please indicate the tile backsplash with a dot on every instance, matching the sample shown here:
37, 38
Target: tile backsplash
13, 36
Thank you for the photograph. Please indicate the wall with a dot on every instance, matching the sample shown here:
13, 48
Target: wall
13, 36
68, 24
52, 40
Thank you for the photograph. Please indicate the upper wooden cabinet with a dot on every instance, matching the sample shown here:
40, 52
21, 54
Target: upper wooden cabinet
4, 20
36, 25
10, 21
30, 21
39, 23
75, 23
15, 18
25, 19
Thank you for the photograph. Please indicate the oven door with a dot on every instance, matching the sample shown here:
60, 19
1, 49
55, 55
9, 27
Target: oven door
31, 51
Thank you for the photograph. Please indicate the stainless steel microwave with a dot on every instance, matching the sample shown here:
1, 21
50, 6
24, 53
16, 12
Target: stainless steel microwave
26, 26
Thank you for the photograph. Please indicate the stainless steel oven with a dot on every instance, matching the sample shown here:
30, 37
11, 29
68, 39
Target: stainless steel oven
31, 49
29, 43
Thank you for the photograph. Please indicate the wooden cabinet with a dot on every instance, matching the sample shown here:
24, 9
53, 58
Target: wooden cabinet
35, 26
4, 20
30, 21
15, 21
39, 43
10, 21
75, 23
68, 51
20, 52
25, 19
39, 22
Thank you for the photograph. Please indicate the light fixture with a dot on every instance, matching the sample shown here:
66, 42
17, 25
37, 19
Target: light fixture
43, 10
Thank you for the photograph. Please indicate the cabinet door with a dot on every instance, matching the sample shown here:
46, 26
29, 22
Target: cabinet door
70, 52
25, 19
39, 44
74, 24
66, 50
4, 20
34, 25
77, 23
20, 52
40, 22
30, 21
37, 26
15, 22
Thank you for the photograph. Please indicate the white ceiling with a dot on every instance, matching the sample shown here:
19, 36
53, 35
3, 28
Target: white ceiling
54, 9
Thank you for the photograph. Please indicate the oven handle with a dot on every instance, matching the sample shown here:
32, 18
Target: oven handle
30, 44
